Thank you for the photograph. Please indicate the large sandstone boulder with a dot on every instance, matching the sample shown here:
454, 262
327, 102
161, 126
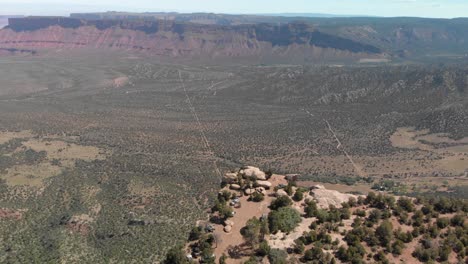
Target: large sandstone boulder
254, 172
249, 191
228, 229
228, 223
264, 184
318, 186
230, 176
281, 192
235, 187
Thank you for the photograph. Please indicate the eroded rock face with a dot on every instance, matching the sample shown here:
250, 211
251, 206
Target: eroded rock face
325, 198
171, 38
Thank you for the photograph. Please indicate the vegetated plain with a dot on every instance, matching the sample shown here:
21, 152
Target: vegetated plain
128, 145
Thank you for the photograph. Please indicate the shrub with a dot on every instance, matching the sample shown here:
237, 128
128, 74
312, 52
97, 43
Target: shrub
289, 188
397, 247
310, 208
384, 233
361, 213
374, 216
224, 210
345, 213
226, 195
299, 246
457, 220
284, 219
418, 218
279, 202
314, 253
252, 260
222, 259
263, 249
257, 197
176, 256
252, 231
298, 195
444, 253
277, 256
381, 257
406, 204
207, 255
195, 233
352, 202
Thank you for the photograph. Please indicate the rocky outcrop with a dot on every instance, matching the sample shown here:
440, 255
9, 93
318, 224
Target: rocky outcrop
325, 198
253, 172
264, 184
230, 177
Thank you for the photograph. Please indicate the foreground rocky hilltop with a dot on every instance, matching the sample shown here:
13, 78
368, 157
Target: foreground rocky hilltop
268, 218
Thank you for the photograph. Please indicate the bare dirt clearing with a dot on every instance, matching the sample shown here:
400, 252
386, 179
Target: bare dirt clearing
409, 138
59, 155
7, 136
65, 151
31, 175
453, 154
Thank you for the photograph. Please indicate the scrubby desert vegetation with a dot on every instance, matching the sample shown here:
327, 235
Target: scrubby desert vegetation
102, 158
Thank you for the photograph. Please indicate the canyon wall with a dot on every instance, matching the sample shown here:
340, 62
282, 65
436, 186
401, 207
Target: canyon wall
173, 38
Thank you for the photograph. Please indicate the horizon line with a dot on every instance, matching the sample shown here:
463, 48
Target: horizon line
286, 14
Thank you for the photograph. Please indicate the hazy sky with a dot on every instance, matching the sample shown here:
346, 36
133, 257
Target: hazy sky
422, 8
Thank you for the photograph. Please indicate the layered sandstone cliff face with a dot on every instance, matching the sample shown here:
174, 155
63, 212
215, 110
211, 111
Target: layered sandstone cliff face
170, 38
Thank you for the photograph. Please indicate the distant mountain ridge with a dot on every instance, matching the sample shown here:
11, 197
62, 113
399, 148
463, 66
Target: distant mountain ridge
285, 42
4, 19
311, 15
258, 38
